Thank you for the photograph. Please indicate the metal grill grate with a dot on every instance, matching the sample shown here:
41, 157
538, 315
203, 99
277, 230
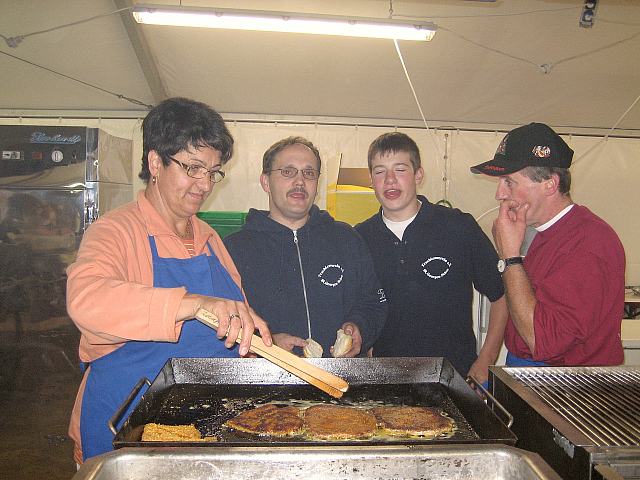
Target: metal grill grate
601, 402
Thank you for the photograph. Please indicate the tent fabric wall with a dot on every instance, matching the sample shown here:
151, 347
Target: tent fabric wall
604, 174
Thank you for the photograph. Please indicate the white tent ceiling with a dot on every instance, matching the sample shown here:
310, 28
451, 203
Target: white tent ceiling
481, 70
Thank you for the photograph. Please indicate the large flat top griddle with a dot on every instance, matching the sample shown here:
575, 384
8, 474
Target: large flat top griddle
208, 392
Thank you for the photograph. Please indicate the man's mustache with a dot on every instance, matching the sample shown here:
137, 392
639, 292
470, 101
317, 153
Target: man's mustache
297, 190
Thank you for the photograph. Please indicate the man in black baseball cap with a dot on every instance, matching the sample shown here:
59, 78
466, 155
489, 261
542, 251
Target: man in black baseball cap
566, 297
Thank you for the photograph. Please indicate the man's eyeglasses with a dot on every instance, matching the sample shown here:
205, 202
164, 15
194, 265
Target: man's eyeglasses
290, 172
198, 171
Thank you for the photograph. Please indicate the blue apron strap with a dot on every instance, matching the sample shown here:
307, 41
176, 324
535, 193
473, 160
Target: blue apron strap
153, 247
224, 286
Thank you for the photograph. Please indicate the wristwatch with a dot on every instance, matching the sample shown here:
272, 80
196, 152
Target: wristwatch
503, 264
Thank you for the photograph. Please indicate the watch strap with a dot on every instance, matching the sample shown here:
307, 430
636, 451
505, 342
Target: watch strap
504, 263
513, 261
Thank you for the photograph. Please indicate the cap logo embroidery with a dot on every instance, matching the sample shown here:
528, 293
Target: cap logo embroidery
541, 152
503, 145
494, 167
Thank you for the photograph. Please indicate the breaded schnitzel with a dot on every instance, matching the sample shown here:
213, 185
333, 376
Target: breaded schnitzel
331, 422
268, 420
423, 421
155, 432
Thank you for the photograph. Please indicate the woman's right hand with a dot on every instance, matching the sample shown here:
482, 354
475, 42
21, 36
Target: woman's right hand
232, 317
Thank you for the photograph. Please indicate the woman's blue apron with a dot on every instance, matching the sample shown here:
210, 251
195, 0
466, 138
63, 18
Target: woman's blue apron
113, 376
513, 361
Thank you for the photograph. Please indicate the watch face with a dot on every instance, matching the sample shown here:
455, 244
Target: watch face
501, 265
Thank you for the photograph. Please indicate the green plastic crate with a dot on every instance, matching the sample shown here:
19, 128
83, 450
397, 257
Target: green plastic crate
224, 223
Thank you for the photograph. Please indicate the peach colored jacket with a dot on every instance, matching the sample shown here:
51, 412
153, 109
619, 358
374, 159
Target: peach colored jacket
110, 293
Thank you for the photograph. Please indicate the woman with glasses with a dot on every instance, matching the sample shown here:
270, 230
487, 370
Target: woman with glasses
143, 271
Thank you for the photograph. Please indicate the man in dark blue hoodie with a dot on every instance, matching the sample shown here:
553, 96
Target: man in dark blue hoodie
306, 274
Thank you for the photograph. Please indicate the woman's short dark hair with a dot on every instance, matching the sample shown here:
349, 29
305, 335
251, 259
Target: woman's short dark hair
394, 142
178, 124
270, 155
540, 174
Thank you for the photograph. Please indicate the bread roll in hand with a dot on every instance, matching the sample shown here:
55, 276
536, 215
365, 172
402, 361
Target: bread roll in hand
343, 344
313, 349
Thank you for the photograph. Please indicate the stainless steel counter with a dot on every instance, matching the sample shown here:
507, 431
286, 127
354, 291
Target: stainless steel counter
451, 462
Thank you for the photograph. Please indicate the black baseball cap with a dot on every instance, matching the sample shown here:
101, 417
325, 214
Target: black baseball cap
533, 145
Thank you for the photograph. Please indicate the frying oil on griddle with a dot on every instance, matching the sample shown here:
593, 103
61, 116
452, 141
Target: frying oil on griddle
210, 406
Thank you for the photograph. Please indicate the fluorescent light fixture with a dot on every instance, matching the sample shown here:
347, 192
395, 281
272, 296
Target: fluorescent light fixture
283, 22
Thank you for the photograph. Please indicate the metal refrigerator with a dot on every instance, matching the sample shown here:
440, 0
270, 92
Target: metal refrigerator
54, 181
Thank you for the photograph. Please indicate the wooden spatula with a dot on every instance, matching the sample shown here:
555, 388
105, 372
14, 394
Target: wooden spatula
316, 376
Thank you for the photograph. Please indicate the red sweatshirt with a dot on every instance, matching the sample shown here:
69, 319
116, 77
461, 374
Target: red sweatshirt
576, 268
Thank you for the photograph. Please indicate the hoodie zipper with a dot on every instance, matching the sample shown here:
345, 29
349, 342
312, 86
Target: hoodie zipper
304, 287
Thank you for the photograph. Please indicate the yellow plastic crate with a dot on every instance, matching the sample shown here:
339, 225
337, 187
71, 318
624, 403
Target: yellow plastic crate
351, 203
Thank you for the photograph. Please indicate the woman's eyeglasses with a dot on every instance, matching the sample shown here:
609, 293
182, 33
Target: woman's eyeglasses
290, 172
198, 171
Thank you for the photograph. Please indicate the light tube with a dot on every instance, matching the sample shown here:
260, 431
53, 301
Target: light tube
283, 22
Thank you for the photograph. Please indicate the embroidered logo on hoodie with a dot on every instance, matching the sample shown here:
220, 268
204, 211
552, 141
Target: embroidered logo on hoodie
381, 296
331, 275
436, 267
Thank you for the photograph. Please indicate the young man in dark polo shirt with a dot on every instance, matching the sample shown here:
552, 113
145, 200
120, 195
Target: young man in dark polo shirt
429, 258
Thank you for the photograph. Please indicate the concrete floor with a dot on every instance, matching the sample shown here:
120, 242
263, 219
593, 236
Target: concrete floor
39, 377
